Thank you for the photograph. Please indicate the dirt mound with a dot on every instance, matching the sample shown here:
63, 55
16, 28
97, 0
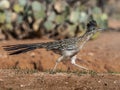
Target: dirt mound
101, 55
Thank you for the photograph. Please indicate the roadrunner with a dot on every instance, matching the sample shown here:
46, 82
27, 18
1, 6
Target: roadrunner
67, 48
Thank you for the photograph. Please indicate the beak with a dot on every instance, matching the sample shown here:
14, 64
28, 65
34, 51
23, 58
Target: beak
100, 29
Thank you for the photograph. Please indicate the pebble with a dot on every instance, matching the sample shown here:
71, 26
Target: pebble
115, 82
66, 82
32, 54
1, 80
22, 85
99, 81
91, 54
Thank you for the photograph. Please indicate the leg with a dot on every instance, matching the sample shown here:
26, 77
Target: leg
58, 60
73, 59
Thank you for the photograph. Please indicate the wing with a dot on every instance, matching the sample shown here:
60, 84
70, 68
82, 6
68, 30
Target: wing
66, 44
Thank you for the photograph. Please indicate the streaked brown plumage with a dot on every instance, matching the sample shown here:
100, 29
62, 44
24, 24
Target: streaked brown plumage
66, 47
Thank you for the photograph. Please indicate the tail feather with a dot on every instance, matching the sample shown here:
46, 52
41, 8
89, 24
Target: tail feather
14, 47
22, 48
21, 51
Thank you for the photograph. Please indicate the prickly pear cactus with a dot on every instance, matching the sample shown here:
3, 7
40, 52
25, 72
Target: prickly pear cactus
56, 18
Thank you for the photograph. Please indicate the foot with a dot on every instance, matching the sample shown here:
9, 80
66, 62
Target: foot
52, 72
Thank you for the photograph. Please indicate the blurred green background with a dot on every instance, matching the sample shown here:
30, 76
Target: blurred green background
57, 19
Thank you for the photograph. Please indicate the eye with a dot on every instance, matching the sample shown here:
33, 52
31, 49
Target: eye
93, 28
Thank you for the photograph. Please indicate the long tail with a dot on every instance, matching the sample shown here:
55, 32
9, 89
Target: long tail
22, 48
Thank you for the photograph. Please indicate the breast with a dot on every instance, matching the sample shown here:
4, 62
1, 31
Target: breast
69, 53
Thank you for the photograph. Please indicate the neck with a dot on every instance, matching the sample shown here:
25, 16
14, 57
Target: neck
84, 39
86, 36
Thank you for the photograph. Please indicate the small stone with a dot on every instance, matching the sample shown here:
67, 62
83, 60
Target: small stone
66, 82
115, 82
91, 54
22, 85
91, 88
32, 54
99, 81
1, 80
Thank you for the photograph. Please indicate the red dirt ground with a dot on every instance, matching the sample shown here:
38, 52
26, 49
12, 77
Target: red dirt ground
101, 55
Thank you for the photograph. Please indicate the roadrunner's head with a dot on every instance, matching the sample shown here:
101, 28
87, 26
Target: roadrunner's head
92, 26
